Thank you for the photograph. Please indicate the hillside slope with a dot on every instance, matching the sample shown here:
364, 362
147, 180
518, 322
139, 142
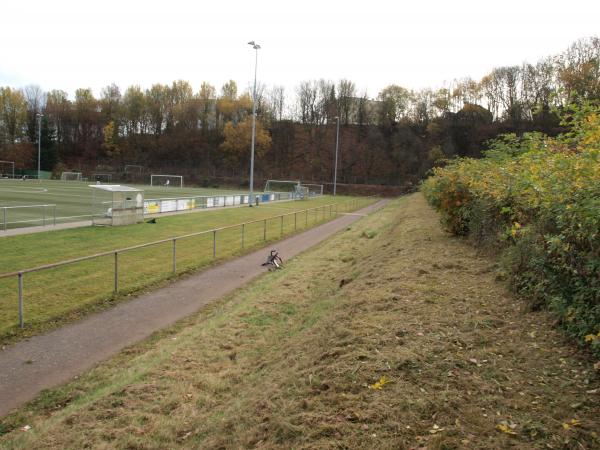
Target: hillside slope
389, 335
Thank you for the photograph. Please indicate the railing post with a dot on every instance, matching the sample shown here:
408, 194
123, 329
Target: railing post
306, 219
174, 256
44, 216
281, 228
21, 320
295, 220
116, 272
214, 243
265, 230
4, 219
243, 227
54, 216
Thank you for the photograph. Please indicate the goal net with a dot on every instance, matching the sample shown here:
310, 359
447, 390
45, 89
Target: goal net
301, 193
70, 176
314, 190
133, 168
166, 180
281, 186
7, 169
102, 177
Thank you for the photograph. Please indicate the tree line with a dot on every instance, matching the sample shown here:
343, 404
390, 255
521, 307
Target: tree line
393, 138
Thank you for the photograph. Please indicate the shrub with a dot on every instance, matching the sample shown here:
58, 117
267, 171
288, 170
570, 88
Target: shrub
538, 200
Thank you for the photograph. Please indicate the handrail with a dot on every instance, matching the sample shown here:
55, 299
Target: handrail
148, 244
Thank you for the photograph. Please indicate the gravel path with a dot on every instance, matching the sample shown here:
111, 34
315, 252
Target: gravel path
47, 360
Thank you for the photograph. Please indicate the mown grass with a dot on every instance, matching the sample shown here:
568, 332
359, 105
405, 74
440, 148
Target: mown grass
55, 296
72, 199
292, 361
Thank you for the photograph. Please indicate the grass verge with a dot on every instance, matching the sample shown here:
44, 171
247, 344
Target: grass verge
389, 335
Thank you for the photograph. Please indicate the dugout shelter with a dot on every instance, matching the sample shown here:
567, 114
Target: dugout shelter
115, 205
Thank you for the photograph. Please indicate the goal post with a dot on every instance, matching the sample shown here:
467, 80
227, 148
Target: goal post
102, 177
166, 180
281, 186
301, 193
7, 169
133, 168
70, 176
314, 190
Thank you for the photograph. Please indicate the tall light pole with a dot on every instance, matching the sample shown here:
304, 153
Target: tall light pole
39, 116
255, 46
337, 144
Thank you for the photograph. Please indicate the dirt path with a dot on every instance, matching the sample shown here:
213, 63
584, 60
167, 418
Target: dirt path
44, 361
42, 229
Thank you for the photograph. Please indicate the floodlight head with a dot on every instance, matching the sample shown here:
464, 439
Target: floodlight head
254, 45
251, 43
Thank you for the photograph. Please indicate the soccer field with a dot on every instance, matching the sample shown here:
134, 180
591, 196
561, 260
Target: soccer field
73, 199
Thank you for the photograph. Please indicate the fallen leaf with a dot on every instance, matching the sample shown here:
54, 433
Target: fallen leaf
379, 385
506, 428
572, 423
436, 429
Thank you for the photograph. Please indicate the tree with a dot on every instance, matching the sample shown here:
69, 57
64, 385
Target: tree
579, 70
48, 157
35, 99
185, 107
87, 128
134, 110
110, 103
59, 112
13, 115
346, 93
238, 139
111, 136
277, 102
395, 101
207, 98
156, 99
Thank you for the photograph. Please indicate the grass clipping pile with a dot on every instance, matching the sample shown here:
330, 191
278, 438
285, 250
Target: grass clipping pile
389, 335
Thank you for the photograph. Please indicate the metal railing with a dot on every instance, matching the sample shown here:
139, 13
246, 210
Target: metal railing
45, 217
325, 211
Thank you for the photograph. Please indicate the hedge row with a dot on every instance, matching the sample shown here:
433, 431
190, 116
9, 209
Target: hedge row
537, 199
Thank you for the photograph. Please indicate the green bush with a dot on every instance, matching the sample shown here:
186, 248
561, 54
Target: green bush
537, 200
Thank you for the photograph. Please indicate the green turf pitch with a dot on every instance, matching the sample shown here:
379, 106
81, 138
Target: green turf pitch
73, 199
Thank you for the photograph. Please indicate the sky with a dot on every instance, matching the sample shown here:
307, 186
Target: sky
67, 44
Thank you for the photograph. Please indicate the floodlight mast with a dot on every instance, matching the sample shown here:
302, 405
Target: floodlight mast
39, 116
256, 47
